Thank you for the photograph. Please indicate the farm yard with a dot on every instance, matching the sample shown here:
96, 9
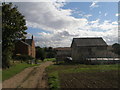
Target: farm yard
71, 45
83, 76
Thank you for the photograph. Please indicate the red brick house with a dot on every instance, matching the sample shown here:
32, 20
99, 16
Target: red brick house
25, 47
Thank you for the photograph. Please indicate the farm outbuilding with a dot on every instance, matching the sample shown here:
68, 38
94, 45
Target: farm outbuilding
83, 48
62, 53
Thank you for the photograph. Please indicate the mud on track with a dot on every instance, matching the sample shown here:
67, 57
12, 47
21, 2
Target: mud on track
109, 79
33, 77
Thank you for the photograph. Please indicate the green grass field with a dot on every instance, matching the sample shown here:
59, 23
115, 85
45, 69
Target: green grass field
66, 76
6, 74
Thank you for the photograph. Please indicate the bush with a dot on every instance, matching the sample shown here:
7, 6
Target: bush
23, 57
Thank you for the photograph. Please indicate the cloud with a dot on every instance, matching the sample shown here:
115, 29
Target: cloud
63, 27
64, 38
117, 14
58, 39
106, 14
88, 15
100, 12
94, 5
45, 15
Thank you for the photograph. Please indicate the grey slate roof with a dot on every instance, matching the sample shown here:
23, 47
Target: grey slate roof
26, 41
95, 41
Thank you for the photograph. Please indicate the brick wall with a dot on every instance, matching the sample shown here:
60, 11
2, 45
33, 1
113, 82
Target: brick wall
21, 48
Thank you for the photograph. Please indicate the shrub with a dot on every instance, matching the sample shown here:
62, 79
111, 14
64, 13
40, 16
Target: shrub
23, 57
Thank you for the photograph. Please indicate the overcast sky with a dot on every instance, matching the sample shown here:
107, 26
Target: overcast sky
56, 24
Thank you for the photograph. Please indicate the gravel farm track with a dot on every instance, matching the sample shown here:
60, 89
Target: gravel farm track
32, 77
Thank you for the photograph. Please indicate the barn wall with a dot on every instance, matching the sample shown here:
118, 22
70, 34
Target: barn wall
81, 53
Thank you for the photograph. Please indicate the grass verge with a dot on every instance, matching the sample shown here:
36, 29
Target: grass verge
6, 74
49, 59
53, 80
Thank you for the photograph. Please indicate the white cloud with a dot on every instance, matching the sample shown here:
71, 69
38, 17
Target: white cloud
100, 12
88, 15
45, 15
94, 5
106, 14
117, 14
63, 27
64, 38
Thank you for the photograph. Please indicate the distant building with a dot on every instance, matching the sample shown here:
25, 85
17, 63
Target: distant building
83, 48
25, 47
62, 53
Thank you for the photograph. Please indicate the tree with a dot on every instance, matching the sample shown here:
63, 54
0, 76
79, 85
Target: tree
40, 53
116, 48
50, 52
13, 27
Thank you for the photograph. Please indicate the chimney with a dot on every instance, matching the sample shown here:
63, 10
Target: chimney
32, 37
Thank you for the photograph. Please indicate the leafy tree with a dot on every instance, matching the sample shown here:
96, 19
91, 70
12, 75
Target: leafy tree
40, 53
50, 52
13, 27
116, 48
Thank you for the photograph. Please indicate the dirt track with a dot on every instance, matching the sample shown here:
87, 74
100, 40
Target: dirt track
33, 77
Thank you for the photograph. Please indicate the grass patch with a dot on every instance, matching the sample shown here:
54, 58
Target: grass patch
6, 74
53, 80
46, 59
49, 59
0, 75
56, 71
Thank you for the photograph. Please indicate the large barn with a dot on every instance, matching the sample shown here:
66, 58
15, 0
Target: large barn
83, 48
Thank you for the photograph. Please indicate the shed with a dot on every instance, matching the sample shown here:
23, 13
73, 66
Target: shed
62, 53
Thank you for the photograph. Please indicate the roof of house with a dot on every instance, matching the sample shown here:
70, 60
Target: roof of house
26, 41
92, 41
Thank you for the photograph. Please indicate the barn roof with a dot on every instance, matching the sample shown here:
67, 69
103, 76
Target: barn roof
92, 41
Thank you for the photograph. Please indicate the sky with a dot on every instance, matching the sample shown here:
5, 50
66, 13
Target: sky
55, 24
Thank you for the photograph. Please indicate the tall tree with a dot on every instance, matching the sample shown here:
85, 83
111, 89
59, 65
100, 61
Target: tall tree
13, 27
